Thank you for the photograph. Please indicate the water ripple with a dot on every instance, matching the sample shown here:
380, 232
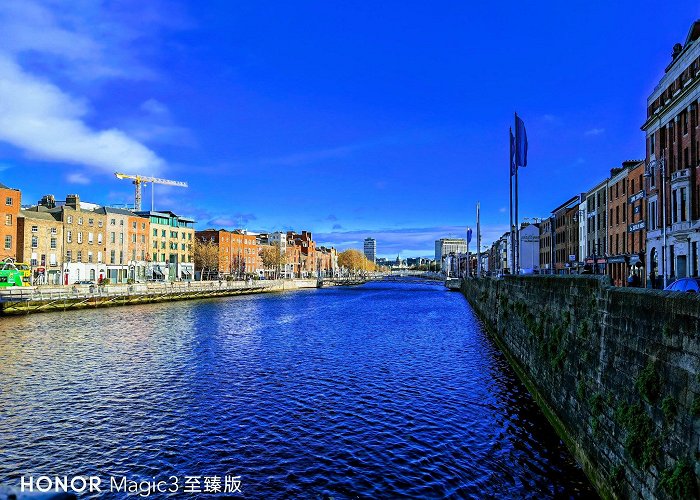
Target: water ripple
376, 391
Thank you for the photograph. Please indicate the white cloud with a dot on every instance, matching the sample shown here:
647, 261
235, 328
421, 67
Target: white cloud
154, 107
594, 131
77, 178
46, 121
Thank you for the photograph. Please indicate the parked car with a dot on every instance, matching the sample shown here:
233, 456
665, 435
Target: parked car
688, 285
84, 282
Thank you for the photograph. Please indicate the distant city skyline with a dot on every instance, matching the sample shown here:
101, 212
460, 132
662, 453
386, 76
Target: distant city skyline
391, 128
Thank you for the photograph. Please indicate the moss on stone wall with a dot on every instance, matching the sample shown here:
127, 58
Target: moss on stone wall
613, 367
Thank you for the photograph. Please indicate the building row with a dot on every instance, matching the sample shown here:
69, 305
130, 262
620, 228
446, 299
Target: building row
640, 225
241, 253
70, 241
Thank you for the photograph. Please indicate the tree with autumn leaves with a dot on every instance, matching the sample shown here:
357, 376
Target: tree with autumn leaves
355, 261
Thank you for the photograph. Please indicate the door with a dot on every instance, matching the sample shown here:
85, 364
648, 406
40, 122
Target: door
681, 266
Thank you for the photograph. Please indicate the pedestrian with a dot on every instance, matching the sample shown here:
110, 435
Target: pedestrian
630, 279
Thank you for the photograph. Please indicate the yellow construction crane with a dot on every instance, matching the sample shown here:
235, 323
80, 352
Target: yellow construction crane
142, 179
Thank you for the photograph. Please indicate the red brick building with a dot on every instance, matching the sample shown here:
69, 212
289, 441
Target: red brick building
636, 222
673, 161
10, 201
302, 257
239, 252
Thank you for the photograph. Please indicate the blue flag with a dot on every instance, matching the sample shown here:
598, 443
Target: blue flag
512, 153
520, 143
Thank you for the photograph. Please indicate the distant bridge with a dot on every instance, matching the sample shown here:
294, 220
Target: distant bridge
418, 277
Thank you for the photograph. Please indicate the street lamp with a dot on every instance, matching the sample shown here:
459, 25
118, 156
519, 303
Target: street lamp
649, 169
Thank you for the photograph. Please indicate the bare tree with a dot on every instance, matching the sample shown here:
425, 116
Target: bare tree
273, 258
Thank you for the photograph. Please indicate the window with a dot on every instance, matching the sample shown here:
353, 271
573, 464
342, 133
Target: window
133, 225
53, 243
155, 244
35, 242
91, 222
80, 221
53, 230
143, 238
112, 237
112, 222
99, 257
121, 238
90, 257
112, 257
9, 201
155, 232
69, 236
121, 222
99, 238
90, 238
52, 259
80, 237
80, 256
683, 204
99, 223
69, 219
8, 242
652, 215
121, 256
8, 219
35, 229
163, 235
69, 256
143, 225
133, 238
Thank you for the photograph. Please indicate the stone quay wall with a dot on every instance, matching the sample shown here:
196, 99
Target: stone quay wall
615, 370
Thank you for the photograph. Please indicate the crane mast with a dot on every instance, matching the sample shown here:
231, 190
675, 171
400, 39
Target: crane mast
138, 180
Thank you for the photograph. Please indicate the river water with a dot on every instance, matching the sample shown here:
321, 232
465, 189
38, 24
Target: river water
377, 391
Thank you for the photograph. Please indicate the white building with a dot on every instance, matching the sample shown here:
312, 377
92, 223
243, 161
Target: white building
582, 230
447, 246
371, 249
529, 247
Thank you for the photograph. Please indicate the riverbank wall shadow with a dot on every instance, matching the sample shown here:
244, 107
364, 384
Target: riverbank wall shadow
615, 370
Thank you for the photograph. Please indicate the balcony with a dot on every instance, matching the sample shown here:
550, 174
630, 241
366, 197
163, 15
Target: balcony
680, 175
680, 229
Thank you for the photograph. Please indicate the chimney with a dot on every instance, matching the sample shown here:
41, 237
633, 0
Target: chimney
48, 201
73, 200
677, 49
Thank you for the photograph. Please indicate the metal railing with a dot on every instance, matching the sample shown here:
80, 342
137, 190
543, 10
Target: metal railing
96, 291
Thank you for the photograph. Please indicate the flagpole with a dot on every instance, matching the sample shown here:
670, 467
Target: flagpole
517, 226
478, 239
516, 247
510, 185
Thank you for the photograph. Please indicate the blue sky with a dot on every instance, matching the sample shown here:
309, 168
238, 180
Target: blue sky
375, 119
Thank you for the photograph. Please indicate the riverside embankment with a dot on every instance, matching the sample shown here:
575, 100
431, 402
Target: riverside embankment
616, 371
25, 300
